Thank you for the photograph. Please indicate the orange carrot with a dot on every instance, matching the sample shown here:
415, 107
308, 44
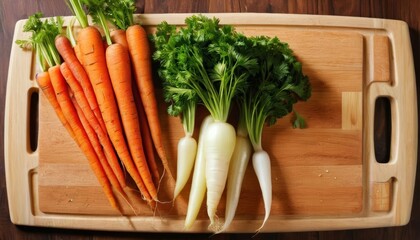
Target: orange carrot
118, 36
119, 67
92, 49
67, 52
69, 111
93, 138
147, 138
93, 122
141, 59
44, 83
78, 54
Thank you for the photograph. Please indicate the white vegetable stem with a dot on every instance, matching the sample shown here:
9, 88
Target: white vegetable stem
219, 145
187, 148
262, 168
198, 184
237, 168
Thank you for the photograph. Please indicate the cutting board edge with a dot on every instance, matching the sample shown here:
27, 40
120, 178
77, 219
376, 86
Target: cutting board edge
402, 165
36, 218
18, 163
151, 224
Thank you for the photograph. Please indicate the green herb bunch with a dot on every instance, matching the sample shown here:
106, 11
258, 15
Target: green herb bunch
201, 63
209, 63
277, 85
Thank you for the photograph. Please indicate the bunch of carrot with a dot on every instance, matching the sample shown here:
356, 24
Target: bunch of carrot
92, 86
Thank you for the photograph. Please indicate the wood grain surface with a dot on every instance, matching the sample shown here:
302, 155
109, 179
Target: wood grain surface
11, 11
311, 177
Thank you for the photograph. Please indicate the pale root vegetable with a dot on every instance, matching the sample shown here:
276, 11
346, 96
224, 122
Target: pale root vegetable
198, 184
262, 168
187, 148
220, 141
203, 61
273, 91
237, 169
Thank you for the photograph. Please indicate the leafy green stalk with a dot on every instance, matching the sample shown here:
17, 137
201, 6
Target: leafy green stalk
69, 32
77, 8
241, 128
201, 61
41, 60
42, 39
297, 120
120, 13
274, 89
96, 9
188, 118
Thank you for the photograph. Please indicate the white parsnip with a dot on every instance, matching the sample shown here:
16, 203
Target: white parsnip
262, 168
220, 141
237, 169
198, 184
211, 64
274, 89
187, 148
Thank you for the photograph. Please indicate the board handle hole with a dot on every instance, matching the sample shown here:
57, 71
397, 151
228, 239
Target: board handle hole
33, 119
382, 129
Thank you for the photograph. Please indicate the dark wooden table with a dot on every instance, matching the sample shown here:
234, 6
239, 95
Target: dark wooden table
13, 10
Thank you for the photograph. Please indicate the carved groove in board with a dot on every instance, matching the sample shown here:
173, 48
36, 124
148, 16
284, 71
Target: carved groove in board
33, 69
382, 196
33, 190
381, 59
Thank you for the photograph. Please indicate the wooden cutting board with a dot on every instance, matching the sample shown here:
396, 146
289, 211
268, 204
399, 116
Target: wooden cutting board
324, 177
